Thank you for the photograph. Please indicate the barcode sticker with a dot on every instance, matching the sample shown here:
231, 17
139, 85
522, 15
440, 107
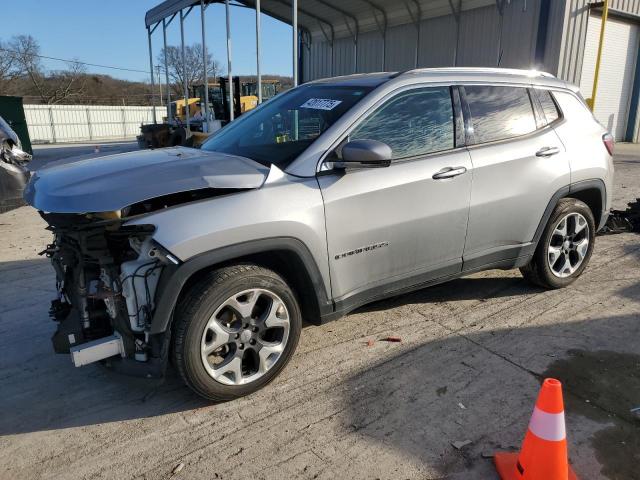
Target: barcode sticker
321, 104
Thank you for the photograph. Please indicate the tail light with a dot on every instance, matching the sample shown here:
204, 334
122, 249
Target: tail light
607, 139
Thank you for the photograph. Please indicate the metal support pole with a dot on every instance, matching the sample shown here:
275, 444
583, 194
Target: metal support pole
166, 69
500, 6
159, 82
416, 20
229, 74
382, 28
355, 53
329, 39
52, 125
205, 72
354, 35
258, 41
184, 73
456, 17
151, 71
331, 59
605, 13
89, 125
294, 24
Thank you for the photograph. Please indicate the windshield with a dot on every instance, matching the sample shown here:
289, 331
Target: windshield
284, 127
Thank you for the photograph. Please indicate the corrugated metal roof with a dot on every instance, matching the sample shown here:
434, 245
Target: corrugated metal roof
343, 17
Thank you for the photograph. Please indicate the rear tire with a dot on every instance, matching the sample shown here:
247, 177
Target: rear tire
235, 330
565, 247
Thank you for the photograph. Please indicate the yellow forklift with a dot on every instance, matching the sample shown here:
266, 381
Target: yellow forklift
173, 130
245, 96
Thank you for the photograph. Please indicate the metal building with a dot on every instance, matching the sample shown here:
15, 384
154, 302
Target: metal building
340, 37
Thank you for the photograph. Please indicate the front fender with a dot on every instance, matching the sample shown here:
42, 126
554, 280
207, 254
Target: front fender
174, 278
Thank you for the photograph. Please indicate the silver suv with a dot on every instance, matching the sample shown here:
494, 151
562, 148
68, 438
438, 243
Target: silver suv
329, 196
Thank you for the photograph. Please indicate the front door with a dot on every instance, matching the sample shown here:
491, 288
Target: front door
395, 227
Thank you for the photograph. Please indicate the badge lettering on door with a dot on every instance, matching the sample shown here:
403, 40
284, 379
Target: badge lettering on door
368, 248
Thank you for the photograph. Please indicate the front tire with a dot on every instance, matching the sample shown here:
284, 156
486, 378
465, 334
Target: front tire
565, 247
235, 330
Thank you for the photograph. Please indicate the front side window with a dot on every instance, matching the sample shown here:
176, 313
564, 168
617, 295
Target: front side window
281, 129
413, 123
498, 113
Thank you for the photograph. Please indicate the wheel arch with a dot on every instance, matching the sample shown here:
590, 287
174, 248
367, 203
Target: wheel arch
592, 192
288, 256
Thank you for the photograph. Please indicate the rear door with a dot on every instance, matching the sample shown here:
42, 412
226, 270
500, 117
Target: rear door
518, 164
396, 226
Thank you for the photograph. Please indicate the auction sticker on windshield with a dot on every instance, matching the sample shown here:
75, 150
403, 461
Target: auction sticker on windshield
321, 104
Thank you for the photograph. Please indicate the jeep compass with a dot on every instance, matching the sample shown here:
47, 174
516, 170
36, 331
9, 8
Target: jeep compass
331, 195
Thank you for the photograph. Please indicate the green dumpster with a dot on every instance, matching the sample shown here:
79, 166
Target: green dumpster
12, 111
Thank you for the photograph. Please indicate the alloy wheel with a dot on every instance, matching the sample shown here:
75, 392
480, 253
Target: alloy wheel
245, 337
568, 245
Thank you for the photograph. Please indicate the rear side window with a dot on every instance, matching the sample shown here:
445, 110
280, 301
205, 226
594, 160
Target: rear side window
498, 113
548, 106
412, 123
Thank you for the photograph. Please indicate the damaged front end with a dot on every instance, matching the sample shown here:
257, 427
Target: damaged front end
108, 270
107, 274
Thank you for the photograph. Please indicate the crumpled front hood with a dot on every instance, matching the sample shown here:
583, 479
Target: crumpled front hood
117, 181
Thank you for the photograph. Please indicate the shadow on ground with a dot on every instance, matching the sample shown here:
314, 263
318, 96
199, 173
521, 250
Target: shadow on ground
424, 399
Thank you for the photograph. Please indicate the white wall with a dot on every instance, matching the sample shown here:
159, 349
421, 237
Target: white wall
80, 123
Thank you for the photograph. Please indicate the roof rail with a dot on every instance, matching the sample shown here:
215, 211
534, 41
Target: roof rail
502, 71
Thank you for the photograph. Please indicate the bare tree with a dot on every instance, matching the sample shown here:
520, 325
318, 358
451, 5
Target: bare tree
193, 67
9, 67
56, 87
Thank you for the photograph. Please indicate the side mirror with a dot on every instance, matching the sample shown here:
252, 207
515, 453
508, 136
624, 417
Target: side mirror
365, 154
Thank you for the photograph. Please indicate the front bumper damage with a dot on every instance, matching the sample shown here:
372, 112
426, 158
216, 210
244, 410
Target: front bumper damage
107, 274
108, 269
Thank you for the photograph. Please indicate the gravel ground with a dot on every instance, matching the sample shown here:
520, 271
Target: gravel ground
467, 369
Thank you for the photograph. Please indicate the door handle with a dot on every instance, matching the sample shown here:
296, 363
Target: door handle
547, 151
449, 172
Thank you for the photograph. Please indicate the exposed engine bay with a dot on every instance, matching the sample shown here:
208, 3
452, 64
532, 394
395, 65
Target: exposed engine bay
106, 278
109, 272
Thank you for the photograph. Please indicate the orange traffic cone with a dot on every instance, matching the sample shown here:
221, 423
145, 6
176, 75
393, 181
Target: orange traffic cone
544, 451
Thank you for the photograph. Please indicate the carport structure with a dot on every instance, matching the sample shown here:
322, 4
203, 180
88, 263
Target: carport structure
341, 37
352, 35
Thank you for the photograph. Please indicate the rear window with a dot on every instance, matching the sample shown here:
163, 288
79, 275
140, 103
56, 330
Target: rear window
548, 106
499, 113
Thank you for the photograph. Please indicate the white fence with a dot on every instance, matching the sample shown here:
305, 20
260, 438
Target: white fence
86, 123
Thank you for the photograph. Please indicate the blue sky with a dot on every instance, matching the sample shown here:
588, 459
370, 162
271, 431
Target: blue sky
113, 33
